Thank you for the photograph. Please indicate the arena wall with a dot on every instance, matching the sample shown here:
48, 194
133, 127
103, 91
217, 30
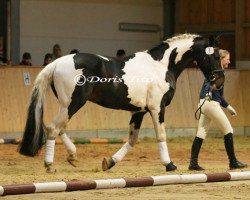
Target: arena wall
98, 120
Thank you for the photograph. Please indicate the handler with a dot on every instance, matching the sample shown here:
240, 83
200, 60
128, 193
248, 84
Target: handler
211, 101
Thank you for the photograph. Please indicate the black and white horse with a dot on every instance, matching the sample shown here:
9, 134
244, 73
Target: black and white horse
143, 82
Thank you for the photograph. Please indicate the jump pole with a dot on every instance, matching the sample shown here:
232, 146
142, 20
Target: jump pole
76, 185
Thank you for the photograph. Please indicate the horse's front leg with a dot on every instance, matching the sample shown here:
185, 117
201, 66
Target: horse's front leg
158, 120
135, 124
71, 149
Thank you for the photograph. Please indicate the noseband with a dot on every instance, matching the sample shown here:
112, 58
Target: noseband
217, 78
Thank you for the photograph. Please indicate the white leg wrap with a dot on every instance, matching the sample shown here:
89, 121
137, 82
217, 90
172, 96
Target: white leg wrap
164, 153
119, 155
71, 148
49, 152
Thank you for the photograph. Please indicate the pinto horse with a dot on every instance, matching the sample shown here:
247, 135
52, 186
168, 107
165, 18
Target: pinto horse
78, 78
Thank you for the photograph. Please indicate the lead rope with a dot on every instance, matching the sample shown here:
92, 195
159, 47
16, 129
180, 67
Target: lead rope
198, 111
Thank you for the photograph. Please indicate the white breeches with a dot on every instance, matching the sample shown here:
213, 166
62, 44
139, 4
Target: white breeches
212, 111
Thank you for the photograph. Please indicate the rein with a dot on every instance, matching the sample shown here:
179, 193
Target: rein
198, 111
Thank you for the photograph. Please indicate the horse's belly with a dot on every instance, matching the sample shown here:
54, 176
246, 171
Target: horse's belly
116, 104
138, 97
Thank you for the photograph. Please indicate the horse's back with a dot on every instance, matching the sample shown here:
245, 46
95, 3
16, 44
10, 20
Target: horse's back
86, 61
119, 84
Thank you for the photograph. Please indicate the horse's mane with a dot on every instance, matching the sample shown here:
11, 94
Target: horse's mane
180, 37
173, 39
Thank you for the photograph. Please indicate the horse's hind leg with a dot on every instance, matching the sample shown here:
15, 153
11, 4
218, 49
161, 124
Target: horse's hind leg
53, 129
71, 148
135, 124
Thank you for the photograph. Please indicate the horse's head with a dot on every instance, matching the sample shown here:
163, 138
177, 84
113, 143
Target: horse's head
208, 60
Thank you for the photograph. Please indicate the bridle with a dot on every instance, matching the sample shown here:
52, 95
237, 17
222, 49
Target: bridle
216, 75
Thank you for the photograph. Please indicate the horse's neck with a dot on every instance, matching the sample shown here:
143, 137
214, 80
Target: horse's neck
174, 55
176, 61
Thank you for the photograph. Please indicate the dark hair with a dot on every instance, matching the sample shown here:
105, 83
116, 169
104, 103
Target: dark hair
120, 52
26, 56
73, 51
48, 55
56, 46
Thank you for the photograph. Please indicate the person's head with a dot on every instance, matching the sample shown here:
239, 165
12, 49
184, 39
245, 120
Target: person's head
73, 51
57, 51
225, 58
120, 53
47, 59
26, 59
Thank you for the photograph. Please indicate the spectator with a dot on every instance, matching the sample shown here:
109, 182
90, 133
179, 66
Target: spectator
1, 61
4, 61
57, 51
73, 51
47, 59
26, 60
120, 54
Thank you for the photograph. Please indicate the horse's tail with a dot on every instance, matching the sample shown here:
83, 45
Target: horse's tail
34, 133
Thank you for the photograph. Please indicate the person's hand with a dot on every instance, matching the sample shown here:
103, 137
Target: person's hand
231, 110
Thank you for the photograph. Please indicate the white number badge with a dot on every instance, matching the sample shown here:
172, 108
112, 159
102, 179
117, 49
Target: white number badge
209, 50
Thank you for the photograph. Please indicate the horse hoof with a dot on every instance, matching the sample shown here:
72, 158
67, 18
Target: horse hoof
72, 159
49, 168
51, 171
107, 164
170, 167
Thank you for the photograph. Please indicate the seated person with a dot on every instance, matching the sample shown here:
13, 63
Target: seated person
26, 60
47, 59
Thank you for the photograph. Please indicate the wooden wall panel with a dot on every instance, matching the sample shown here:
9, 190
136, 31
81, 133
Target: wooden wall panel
227, 41
246, 47
245, 88
245, 29
245, 11
181, 15
218, 17
223, 11
233, 94
204, 12
15, 97
197, 12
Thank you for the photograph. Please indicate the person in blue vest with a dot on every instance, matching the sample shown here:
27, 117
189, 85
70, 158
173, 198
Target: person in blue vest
211, 103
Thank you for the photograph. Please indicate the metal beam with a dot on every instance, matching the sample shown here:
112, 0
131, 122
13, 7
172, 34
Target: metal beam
15, 31
168, 18
3, 28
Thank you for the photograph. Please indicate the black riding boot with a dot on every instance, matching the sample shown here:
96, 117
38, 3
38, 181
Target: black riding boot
229, 145
195, 153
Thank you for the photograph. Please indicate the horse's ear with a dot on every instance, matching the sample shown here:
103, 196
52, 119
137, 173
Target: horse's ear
217, 40
214, 41
211, 41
